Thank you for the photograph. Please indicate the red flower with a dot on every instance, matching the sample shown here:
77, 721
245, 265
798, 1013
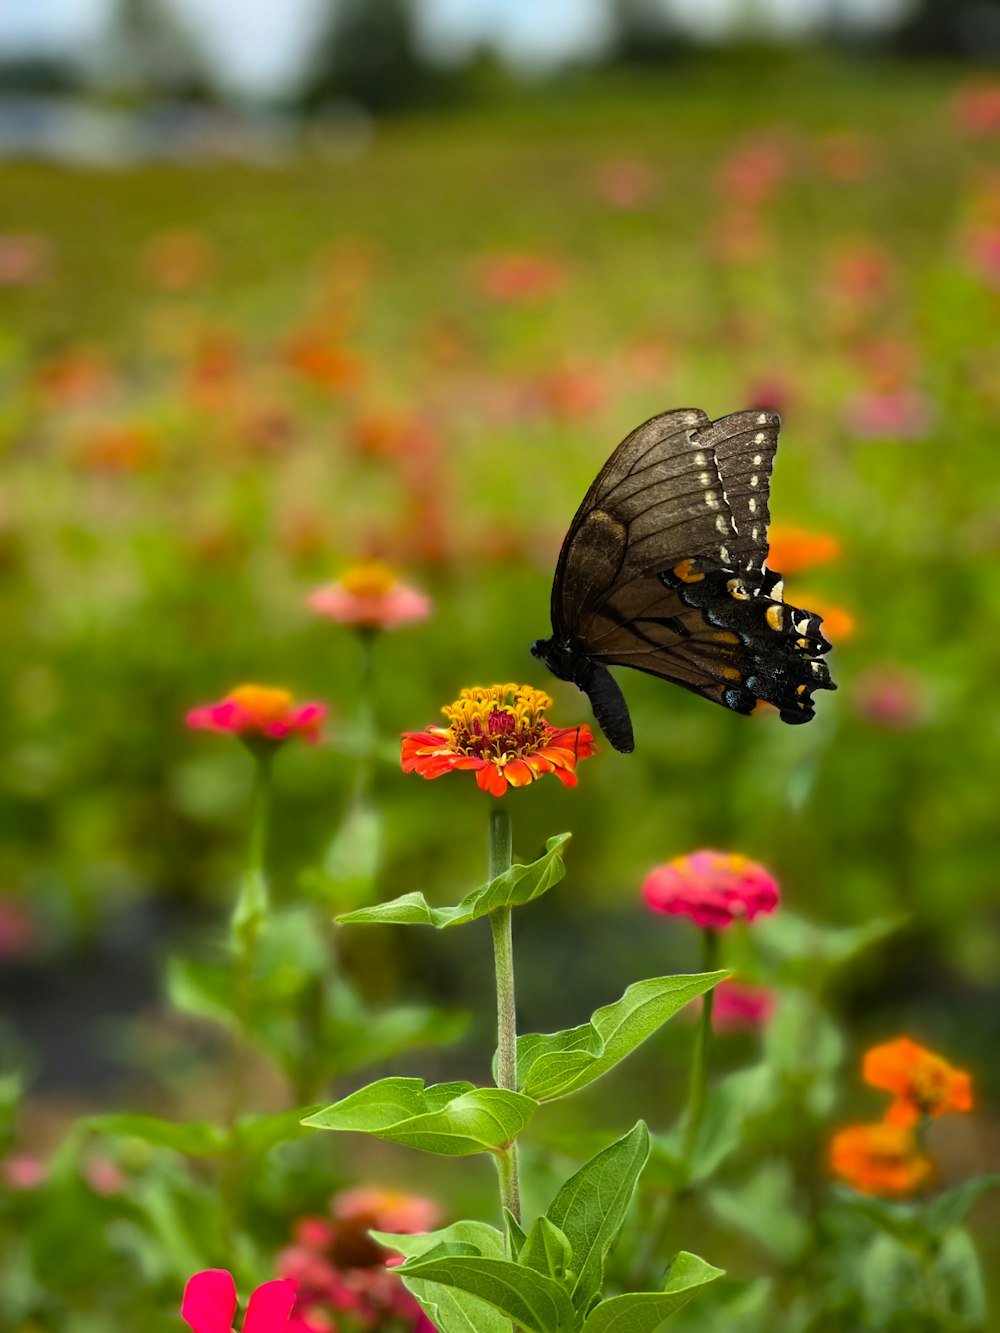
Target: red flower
714, 889
370, 597
923, 1083
261, 712
210, 1304
501, 735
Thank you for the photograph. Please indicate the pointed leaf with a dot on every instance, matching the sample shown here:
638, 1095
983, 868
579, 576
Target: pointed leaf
515, 1234
546, 1250
196, 1138
590, 1208
645, 1311
486, 1239
516, 886
452, 1119
253, 1135
555, 1064
536, 1304
948, 1209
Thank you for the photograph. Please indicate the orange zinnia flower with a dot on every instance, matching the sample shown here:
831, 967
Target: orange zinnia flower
793, 549
879, 1159
501, 735
260, 712
370, 597
924, 1084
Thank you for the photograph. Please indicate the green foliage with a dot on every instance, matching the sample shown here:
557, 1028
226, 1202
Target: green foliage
555, 1064
644, 1312
452, 1119
515, 887
590, 1209
536, 1303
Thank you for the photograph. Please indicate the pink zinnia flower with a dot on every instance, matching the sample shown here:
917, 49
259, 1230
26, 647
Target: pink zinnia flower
210, 1304
738, 1006
714, 889
370, 597
260, 712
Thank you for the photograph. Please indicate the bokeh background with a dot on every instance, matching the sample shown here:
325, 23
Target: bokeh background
287, 285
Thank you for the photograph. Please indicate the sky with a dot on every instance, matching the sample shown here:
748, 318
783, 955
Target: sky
261, 44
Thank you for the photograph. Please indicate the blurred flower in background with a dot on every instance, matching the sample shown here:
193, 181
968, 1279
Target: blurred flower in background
370, 596
880, 1159
712, 889
260, 712
923, 1084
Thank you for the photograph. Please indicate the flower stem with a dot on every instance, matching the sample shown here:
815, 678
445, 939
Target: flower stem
703, 1041
503, 951
251, 905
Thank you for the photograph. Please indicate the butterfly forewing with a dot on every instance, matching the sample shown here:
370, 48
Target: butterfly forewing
744, 445
658, 500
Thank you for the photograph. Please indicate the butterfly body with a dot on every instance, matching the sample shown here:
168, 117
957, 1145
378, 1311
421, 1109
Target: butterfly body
663, 569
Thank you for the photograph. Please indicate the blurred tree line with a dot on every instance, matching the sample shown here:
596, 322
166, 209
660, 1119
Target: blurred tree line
369, 52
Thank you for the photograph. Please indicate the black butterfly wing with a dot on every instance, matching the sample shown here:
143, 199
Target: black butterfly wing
663, 570
658, 500
734, 650
744, 445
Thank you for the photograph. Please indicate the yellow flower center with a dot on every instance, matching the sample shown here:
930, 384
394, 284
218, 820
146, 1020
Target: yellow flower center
373, 579
263, 701
498, 723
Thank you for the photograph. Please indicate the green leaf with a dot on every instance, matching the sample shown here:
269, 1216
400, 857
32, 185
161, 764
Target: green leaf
645, 1311
351, 860
515, 1234
551, 1065
254, 1134
546, 1250
487, 1240
514, 888
590, 1208
535, 1303
452, 1119
196, 1138
807, 951
949, 1209
962, 1277
765, 1209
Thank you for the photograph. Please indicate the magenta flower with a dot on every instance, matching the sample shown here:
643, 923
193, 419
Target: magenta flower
714, 889
210, 1304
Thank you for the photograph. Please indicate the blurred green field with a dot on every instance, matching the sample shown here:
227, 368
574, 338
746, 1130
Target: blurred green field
185, 457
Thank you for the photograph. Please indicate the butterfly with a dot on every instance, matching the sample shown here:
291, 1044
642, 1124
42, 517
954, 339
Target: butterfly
663, 569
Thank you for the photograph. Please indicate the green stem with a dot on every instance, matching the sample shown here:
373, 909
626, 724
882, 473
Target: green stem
703, 1042
251, 905
248, 917
503, 951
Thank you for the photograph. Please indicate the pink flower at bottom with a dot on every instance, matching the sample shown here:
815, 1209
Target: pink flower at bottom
209, 1304
713, 889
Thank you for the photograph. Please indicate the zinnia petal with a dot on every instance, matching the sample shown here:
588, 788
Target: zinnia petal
271, 1306
209, 1304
